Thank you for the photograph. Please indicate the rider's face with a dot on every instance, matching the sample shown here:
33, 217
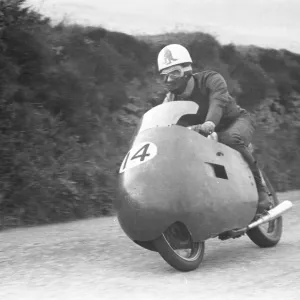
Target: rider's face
173, 77
176, 84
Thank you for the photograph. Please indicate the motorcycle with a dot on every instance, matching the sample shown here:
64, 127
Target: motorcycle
179, 188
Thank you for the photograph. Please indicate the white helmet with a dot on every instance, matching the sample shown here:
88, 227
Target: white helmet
171, 55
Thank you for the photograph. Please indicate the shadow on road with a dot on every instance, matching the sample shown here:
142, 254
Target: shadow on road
218, 256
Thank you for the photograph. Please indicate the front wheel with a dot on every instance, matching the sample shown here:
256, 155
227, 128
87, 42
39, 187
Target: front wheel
177, 248
268, 234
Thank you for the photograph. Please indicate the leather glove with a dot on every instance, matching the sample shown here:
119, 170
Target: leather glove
207, 128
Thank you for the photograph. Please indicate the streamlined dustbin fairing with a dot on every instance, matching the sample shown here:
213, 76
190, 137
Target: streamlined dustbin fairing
178, 188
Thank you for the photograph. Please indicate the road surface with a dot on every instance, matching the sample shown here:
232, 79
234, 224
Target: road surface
93, 259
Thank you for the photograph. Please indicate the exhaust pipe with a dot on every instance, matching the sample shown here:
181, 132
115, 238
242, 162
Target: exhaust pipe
269, 216
272, 214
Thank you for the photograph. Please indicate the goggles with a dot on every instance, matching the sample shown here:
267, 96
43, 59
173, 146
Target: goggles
172, 73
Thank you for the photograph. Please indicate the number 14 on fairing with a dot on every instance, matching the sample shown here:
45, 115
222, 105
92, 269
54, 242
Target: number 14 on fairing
137, 155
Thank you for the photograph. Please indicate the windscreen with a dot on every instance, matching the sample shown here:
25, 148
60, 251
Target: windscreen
169, 113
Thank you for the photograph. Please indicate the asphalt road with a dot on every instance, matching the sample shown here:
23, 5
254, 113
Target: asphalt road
94, 259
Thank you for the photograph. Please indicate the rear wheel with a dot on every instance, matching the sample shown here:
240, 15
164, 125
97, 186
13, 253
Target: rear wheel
177, 248
268, 234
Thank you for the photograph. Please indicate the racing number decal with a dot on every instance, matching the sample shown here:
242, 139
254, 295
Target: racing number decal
142, 153
138, 155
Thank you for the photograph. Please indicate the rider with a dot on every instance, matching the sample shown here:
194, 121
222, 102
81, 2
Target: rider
219, 111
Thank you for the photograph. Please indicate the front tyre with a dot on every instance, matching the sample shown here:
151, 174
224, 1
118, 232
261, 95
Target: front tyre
177, 248
269, 234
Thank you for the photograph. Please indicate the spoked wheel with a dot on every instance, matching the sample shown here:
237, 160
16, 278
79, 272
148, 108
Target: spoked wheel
177, 248
268, 234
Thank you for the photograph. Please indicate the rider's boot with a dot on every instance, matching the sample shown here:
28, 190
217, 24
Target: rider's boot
263, 200
263, 197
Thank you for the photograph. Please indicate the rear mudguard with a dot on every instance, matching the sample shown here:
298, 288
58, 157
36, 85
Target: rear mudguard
174, 174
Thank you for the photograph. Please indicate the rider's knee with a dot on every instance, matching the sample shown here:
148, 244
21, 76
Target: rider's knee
231, 139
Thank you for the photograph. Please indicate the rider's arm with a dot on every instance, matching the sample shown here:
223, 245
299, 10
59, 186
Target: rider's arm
218, 97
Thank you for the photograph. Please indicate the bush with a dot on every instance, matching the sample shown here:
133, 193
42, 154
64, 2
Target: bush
70, 98
60, 90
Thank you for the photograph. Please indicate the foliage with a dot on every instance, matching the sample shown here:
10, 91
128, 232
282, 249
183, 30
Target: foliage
70, 98
61, 91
